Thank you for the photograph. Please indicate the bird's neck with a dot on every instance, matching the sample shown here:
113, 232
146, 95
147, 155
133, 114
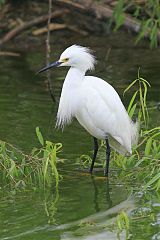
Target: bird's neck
69, 96
74, 77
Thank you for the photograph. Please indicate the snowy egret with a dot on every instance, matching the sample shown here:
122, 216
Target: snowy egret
94, 103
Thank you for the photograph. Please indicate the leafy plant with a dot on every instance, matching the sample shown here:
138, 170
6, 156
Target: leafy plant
141, 94
147, 13
38, 169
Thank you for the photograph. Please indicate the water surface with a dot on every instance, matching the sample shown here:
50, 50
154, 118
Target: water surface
86, 205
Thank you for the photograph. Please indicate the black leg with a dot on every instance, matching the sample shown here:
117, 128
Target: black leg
107, 158
94, 154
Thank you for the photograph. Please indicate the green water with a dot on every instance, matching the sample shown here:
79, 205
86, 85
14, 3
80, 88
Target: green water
86, 205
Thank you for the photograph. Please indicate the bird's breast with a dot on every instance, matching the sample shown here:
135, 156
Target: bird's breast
68, 106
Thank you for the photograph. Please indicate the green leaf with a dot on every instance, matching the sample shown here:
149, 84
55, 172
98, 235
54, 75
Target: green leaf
137, 11
39, 135
144, 80
130, 85
152, 130
144, 29
148, 146
45, 168
132, 110
13, 170
153, 180
153, 35
142, 105
118, 14
132, 101
157, 186
58, 147
145, 99
139, 162
119, 22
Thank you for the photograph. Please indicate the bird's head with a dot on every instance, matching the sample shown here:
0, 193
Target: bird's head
74, 56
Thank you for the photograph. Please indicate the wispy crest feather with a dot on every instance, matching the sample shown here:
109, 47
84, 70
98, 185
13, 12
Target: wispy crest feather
84, 56
87, 55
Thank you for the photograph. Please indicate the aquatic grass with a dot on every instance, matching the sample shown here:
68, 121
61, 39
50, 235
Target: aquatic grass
142, 167
144, 171
36, 170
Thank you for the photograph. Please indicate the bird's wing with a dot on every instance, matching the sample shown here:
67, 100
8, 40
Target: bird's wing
106, 111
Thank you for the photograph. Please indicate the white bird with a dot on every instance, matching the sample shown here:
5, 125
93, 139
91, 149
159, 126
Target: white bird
94, 103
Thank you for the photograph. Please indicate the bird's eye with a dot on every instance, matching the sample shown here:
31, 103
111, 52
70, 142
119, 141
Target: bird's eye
65, 59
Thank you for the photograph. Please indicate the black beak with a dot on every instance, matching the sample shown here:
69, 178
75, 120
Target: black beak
55, 64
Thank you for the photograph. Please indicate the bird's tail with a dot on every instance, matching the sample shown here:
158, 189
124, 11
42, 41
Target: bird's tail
115, 144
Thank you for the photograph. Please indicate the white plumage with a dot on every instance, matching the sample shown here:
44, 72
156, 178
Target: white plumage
94, 102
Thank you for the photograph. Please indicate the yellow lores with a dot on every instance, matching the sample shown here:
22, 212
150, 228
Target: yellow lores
64, 60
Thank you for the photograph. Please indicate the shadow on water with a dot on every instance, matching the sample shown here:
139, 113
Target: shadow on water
86, 205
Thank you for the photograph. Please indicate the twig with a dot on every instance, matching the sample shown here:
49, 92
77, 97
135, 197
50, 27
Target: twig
107, 54
48, 51
52, 27
11, 54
